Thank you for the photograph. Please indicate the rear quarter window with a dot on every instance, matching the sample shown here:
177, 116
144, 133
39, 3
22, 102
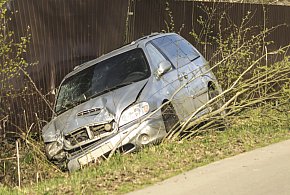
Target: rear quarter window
178, 50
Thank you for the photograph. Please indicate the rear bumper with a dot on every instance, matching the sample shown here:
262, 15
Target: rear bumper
135, 136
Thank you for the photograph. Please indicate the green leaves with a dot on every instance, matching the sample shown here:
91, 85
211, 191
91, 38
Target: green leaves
12, 58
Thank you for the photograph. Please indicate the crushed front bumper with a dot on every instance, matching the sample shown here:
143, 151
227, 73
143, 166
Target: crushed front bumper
134, 136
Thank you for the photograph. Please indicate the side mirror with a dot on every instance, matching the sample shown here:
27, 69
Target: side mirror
163, 68
54, 91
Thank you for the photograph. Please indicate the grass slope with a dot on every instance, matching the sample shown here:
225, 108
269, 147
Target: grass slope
124, 173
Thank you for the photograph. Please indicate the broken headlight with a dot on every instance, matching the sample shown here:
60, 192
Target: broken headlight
134, 112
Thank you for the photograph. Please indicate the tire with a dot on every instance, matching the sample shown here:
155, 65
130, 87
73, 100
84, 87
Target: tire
169, 117
212, 93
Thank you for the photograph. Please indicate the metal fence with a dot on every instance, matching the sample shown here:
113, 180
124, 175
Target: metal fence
150, 16
68, 32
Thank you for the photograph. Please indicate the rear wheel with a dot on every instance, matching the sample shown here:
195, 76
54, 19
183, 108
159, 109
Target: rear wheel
212, 93
217, 104
169, 117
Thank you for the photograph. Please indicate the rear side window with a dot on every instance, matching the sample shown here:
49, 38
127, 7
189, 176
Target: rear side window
179, 51
188, 49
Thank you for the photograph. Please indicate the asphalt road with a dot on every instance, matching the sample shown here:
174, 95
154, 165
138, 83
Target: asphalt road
260, 172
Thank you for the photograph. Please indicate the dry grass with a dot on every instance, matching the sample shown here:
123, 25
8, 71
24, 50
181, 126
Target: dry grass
249, 130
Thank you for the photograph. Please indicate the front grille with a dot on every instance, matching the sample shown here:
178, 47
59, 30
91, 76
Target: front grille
78, 136
99, 130
90, 133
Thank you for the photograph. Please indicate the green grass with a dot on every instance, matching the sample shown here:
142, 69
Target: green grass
125, 173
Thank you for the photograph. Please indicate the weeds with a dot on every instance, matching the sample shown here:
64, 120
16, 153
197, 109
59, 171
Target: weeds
34, 166
170, 26
246, 81
250, 129
273, 2
255, 112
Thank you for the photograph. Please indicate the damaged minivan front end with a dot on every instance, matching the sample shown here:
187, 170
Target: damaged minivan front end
127, 99
91, 119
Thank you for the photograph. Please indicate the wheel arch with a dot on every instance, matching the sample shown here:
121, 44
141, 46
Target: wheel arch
211, 85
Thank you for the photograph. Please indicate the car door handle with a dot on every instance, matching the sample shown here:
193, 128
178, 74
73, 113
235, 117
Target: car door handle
182, 76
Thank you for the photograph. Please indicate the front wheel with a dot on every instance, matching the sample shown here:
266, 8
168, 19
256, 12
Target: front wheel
169, 117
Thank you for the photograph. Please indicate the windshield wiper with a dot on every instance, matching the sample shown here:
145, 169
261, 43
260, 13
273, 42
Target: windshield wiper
121, 85
64, 108
70, 105
109, 89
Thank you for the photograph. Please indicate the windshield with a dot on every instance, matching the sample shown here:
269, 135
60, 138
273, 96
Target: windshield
107, 75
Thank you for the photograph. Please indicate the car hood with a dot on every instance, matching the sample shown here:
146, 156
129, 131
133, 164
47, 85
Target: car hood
104, 108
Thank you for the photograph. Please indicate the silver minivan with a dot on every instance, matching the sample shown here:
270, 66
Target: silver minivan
114, 101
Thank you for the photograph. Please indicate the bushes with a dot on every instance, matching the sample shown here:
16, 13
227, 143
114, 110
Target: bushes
248, 72
241, 64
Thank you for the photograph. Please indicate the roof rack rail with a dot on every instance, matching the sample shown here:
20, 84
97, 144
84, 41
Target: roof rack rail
76, 67
146, 37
